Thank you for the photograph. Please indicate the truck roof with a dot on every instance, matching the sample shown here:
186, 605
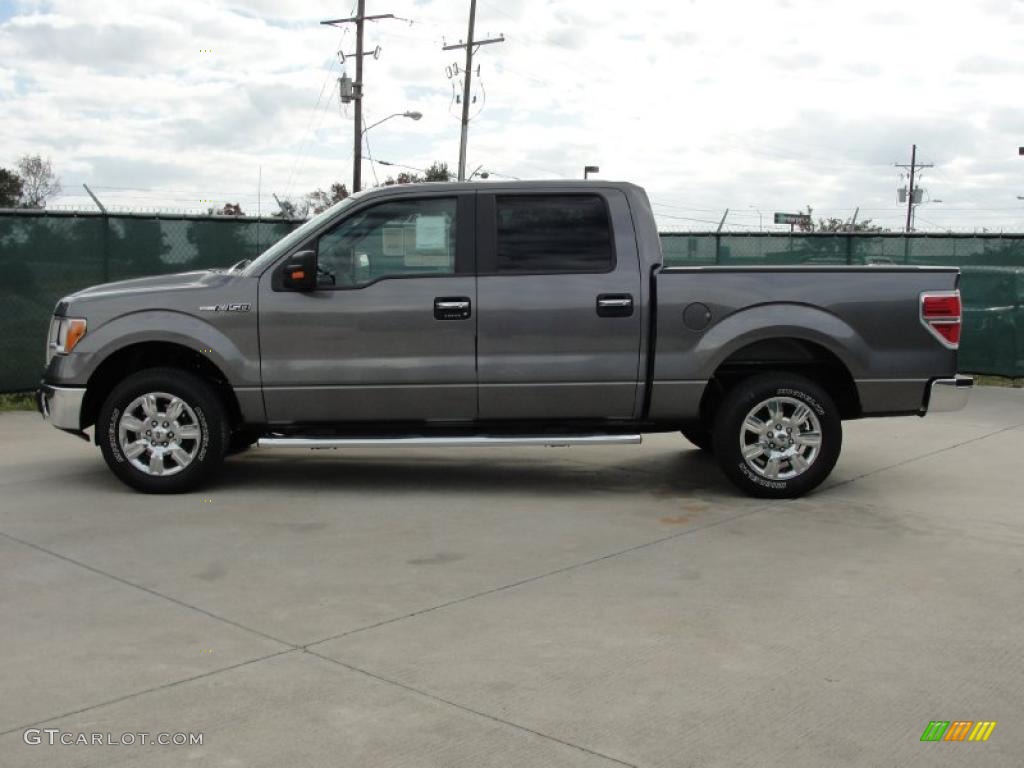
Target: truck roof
576, 185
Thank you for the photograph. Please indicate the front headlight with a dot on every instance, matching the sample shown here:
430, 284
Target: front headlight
65, 333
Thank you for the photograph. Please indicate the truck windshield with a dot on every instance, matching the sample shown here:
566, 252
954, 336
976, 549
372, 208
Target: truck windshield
296, 236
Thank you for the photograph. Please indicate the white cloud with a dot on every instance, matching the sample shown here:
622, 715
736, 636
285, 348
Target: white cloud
709, 103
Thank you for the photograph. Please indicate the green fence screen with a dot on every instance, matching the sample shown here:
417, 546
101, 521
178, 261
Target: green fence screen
45, 255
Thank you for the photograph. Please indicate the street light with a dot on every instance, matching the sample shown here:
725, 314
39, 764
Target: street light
410, 115
589, 169
362, 135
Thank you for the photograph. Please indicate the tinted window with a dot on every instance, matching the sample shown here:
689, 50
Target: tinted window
401, 238
553, 233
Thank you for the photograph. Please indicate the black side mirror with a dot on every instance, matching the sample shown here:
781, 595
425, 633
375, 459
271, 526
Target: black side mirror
300, 272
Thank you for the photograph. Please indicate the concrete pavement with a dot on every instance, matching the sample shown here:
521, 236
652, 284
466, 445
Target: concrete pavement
520, 607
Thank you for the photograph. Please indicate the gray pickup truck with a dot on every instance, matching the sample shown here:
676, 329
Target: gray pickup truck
528, 313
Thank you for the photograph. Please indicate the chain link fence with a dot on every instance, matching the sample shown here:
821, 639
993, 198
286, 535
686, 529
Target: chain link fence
45, 255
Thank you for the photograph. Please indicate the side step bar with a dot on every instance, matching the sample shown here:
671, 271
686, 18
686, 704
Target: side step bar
465, 441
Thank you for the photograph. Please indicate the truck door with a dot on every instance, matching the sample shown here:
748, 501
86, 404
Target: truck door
559, 305
390, 332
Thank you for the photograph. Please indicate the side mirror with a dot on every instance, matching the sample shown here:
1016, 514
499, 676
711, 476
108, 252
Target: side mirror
300, 272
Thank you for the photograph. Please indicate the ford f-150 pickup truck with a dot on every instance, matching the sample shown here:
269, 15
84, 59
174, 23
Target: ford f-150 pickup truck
528, 313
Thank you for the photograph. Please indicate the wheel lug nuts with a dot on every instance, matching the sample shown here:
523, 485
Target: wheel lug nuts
153, 423
149, 432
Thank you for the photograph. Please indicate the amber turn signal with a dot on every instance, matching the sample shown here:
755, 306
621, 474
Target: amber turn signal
74, 334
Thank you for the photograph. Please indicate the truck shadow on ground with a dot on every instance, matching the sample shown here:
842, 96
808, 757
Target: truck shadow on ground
674, 472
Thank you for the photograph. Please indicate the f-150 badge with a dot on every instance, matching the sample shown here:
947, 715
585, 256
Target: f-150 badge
226, 308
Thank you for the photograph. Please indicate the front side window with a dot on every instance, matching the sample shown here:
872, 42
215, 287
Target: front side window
396, 239
553, 233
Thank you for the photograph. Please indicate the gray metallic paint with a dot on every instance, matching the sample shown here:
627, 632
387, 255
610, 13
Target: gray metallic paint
868, 317
543, 353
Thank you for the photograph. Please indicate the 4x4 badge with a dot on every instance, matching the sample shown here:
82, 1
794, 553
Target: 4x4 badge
226, 308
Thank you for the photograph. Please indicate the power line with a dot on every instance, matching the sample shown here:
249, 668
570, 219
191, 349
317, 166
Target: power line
323, 87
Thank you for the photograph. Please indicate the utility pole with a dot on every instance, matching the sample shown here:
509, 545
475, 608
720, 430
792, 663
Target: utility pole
910, 189
468, 76
357, 85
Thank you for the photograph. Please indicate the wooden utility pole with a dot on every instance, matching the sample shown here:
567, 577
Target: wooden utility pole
357, 125
467, 77
357, 85
910, 189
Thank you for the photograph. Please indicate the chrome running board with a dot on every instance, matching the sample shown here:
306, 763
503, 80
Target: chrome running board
466, 441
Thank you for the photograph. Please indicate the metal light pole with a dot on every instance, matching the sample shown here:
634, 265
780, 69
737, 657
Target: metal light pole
410, 115
589, 169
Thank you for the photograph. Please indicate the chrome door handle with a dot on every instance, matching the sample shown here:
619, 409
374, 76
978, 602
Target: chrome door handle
614, 305
452, 308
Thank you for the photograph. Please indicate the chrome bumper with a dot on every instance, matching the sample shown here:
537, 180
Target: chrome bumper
61, 406
949, 394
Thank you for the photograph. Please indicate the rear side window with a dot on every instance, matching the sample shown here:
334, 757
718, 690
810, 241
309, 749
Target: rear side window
553, 233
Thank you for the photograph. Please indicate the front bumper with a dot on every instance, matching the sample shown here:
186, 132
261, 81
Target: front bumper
61, 406
946, 395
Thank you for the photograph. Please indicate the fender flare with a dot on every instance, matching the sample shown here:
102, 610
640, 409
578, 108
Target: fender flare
152, 325
782, 320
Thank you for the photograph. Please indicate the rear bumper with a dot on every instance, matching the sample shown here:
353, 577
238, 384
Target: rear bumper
61, 406
946, 395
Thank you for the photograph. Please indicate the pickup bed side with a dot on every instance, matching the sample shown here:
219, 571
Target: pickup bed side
862, 326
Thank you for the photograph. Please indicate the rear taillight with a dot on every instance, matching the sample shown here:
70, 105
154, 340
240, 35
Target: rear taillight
941, 314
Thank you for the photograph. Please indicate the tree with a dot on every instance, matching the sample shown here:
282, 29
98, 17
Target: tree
10, 188
833, 224
437, 171
38, 181
320, 201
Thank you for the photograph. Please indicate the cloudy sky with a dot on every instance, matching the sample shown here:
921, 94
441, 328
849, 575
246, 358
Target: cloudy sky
751, 105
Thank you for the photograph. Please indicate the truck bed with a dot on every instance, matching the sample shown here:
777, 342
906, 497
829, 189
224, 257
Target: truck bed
866, 317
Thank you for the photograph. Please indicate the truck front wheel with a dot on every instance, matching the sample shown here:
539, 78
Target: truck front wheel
163, 430
777, 435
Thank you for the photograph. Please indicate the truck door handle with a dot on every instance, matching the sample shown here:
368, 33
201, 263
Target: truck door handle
614, 305
452, 308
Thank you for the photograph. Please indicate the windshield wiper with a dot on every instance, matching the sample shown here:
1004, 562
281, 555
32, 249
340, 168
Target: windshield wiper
240, 265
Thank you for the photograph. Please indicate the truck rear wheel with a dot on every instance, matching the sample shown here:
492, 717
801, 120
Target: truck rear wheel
163, 430
777, 435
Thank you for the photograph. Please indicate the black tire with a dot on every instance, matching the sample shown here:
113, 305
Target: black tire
700, 437
241, 441
209, 417
732, 414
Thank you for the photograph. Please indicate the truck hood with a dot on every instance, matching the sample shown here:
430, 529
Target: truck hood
156, 283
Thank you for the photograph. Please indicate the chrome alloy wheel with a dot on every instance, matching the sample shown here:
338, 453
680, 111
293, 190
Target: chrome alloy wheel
780, 438
159, 434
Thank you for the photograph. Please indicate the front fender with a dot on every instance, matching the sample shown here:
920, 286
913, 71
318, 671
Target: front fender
229, 340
